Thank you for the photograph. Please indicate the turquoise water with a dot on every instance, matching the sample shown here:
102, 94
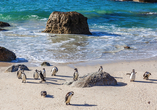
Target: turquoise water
113, 25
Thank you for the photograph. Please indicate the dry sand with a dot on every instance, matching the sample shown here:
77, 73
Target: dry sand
127, 95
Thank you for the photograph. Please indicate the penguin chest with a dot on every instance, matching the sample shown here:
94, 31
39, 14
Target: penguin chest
36, 75
132, 77
69, 98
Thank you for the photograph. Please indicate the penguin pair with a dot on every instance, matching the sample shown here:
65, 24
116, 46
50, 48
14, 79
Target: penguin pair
21, 75
133, 73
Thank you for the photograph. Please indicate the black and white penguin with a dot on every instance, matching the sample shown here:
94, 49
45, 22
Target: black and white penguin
44, 72
36, 74
41, 77
19, 73
100, 69
43, 93
132, 76
75, 75
54, 71
23, 77
68, 97
146, 75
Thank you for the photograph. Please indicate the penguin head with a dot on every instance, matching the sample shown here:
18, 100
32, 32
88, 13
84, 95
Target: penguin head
72, 93
75, 69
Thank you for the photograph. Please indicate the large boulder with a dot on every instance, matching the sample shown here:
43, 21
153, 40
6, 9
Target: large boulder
147, 1
4, 24
14, 68
67, 23
94, 79
6, 55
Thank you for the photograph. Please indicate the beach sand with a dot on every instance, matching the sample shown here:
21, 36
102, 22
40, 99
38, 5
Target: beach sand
127, 95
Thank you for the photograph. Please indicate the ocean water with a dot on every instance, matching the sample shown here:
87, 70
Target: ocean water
113, 25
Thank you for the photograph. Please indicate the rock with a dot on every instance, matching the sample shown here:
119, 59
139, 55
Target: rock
67, 23
95, 79
4, 24
14, 68
127, 47
3, 29
45, 64
6, 55
147, 1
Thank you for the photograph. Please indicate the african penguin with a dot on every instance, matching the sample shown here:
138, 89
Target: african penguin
44, 72
41, 77
36, 74
75, 75
68, 97
132, 76
146, 75
19, 73
100, 69
23, 77
43, 93
54, 71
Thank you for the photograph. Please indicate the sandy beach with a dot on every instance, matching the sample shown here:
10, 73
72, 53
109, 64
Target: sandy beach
127, 95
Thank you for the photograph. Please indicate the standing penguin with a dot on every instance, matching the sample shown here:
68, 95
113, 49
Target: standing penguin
19, 72
100, 69
146, 75
36, 74
41, 77
76, 75
23, 77
68, 97
132, 76
54, 71
44, 72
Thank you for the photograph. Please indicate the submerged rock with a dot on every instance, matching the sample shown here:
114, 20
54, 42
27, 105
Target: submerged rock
14, 68
94, 79
67, 23
4, 24
6, 55
45, 64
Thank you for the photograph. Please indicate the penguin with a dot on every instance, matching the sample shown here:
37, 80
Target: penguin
146, 75
76, 75
43, 93
132, 76
19, 73
54, 71
23, 77
41, 77
36, 74
44, 72
68, 97
100, 69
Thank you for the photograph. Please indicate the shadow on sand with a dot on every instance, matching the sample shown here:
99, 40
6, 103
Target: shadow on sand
64, 76
146, 82
119, 77
49, 96
87, 105
121, 84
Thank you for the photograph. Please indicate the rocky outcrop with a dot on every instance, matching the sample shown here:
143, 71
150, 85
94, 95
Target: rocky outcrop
4, 24
94, 79
14, 68
6, 55
67, 23
147, 1
45, 64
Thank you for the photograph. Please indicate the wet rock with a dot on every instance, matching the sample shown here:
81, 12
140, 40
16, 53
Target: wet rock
147, 1
127, 47
14, 68
67, 23
95, 79
6, 55
45, 64
4, 24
